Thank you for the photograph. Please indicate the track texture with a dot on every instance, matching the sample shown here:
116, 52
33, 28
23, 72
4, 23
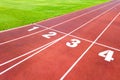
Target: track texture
83, 45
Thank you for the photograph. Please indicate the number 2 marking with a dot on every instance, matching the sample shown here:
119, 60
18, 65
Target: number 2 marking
34, 28
73, 43
107, 55
49, 35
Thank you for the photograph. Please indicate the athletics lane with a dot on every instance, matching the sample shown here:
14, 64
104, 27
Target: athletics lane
111, 37
51, 63
94, 67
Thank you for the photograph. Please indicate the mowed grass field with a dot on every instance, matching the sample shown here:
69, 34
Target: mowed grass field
15, 13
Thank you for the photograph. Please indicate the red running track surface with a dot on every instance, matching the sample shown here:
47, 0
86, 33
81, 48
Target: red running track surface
82, 45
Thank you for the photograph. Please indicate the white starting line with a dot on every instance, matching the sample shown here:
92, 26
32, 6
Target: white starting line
55, 41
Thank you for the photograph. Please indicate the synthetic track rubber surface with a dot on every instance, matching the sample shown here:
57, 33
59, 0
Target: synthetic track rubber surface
65, 47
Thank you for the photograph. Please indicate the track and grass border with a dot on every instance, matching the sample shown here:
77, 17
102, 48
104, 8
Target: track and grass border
18, 13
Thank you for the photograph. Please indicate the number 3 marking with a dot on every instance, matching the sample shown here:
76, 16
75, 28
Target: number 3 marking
107, 55
49, 35
73, 43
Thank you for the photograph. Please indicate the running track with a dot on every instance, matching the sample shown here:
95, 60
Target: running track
83, 45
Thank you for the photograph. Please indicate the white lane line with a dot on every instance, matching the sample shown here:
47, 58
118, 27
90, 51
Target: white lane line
25, 54
65, 33
107, 46
78, 27
11, 60
100, 44
53, 42
74, 64
51, 26
51, 18
21, 37
45, 47
28, 57
107, 3
103, 45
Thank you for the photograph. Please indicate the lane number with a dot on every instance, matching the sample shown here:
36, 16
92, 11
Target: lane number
49, 35
34, 28
74, 43
107, 55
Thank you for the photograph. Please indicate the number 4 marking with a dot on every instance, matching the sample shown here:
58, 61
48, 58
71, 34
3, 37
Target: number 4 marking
107, 55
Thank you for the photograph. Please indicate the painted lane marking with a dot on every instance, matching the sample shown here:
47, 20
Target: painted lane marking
52, 26
81, 10
85, 23
103, 45
73, 43
40, 48
21, 55
48, 45
49, 35
100, 44
21, 37
11, 60
34, 28
74, 64
89, 22
107, 55
55, 41
51, 18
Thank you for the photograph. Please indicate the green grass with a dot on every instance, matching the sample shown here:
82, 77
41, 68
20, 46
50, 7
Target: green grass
15, 13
